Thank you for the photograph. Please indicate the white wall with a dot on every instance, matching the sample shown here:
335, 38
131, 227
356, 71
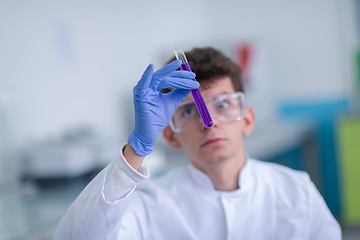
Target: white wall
309, 47
66, 63
304, 40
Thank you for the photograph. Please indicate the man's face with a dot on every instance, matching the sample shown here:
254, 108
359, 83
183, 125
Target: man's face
223, 141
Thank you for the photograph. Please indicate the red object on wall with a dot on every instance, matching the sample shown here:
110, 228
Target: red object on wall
244, 55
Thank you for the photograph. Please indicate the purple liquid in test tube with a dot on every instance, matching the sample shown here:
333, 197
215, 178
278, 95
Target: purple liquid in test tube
199, 101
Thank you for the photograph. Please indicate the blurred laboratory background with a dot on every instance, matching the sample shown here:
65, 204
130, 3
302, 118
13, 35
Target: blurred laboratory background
67, 69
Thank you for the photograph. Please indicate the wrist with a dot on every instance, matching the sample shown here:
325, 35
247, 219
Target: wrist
132, 157
141, 148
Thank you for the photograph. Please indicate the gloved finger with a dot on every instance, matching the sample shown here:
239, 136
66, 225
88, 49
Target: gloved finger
142, 86
182, 74
145, 79
177, 95
166, 70
178, 83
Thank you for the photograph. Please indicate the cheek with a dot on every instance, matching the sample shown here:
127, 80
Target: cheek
188, 142
184, 139
236, 132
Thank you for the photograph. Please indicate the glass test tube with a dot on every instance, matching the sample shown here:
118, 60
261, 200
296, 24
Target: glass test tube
199, 101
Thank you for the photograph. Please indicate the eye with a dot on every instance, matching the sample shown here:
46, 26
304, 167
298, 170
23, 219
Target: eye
188, 112
223, 105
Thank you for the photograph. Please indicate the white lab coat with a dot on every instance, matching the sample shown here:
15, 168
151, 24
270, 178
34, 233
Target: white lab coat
273, 202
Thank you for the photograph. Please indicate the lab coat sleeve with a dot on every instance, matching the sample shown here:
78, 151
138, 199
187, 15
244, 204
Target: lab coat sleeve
98, 210
322, 224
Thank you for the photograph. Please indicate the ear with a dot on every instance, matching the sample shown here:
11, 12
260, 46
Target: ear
249, 121
171, 139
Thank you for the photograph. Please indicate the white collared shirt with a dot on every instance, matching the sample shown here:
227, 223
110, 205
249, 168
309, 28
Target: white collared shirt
273, 202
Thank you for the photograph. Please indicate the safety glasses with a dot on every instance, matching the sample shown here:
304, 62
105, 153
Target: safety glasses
223, 108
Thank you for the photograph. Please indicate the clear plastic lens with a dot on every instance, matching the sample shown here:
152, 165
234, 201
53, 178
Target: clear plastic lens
223, 108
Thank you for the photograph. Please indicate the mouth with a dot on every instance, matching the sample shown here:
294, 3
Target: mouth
212, 142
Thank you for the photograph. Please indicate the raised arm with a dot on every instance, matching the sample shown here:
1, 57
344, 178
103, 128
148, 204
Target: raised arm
97, 212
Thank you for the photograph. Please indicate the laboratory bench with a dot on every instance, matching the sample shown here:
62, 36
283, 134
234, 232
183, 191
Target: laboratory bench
31, 209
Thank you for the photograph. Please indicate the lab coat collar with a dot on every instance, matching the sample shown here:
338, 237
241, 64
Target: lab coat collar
204, 182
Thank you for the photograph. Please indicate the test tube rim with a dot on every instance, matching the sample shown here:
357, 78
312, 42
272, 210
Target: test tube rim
180, 54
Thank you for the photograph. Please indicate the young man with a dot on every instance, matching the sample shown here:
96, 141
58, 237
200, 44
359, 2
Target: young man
223, 194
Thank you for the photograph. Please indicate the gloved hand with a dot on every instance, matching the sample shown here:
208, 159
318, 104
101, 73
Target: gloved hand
154, 110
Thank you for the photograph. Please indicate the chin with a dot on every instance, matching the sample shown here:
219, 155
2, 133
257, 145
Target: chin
212, 156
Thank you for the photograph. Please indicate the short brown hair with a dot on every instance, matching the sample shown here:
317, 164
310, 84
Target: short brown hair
210, 64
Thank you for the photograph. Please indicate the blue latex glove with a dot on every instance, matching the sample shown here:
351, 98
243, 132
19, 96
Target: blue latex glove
154, 110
